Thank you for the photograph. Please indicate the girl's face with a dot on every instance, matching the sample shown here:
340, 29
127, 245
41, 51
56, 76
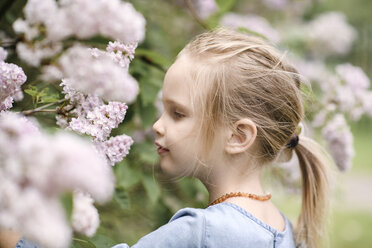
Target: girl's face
177, 140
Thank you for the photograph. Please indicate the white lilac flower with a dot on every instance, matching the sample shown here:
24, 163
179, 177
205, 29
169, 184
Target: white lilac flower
340, 141
38, 12
353, 76
114, 19
85, 218
3, 54
205, 8
121, 53
116, 148
97, 76
35, 168
40, 219
11, 79
252, 22
100, 121
21, 26
330, 34
34, 53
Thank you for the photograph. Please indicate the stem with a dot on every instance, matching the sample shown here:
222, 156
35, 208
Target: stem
43, 108
193, 12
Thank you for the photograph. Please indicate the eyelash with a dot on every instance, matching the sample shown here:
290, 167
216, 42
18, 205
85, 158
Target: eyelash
178, 115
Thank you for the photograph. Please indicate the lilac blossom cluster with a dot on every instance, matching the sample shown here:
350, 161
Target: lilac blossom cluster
205, 8
85, 218
330, 34
100, 73
343, 93
99, 122
35, 169
11, 79
116, 148
57, 20
340, 141
88, 114
251, 22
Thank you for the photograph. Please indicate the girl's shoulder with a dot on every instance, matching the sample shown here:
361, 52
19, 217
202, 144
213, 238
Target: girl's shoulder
229, 224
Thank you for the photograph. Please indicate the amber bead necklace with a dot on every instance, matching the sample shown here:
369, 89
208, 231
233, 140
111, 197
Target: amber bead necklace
241, 194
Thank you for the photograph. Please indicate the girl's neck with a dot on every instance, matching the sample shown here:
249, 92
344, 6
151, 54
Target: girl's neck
233, 180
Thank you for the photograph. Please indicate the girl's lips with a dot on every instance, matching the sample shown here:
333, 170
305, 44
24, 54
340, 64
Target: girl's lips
161, 149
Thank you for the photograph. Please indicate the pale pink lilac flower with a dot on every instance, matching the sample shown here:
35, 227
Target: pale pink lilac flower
21, 26
121, 53
205, 8
35, 168
97, 76
330, 34
11, 79
100, 121
353, 76
34, 53
340, 141
3, 54
38, 218
116, 148
85, 218
114, 19
252, 22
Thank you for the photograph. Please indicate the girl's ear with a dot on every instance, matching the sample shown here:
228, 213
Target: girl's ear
241, 137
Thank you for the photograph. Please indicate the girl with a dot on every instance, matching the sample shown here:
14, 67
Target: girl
232, 105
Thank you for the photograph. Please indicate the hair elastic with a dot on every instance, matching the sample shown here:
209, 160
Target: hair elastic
293, 142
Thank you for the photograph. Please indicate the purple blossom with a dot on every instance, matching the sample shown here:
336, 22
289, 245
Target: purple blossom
252, 22
11, 79
116, 148
340, 141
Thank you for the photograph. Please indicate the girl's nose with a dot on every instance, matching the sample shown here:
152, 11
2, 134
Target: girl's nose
158, 127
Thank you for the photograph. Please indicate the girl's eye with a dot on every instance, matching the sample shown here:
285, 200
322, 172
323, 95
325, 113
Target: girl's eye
178, 115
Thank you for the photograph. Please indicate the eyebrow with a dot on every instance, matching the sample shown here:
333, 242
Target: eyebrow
171, 101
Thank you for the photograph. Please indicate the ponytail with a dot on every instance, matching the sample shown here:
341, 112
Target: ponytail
311, 226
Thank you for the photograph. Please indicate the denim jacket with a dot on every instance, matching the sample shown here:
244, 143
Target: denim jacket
222, 225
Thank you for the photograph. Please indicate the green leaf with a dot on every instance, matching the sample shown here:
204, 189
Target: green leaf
148, 115
32, 91
154, 57
146, 151
149, 93
83, 243
126, 177
102, 241
121, 196
68, 203
49, 99
152, 188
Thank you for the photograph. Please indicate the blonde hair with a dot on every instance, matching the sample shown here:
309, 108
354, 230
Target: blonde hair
241, 76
